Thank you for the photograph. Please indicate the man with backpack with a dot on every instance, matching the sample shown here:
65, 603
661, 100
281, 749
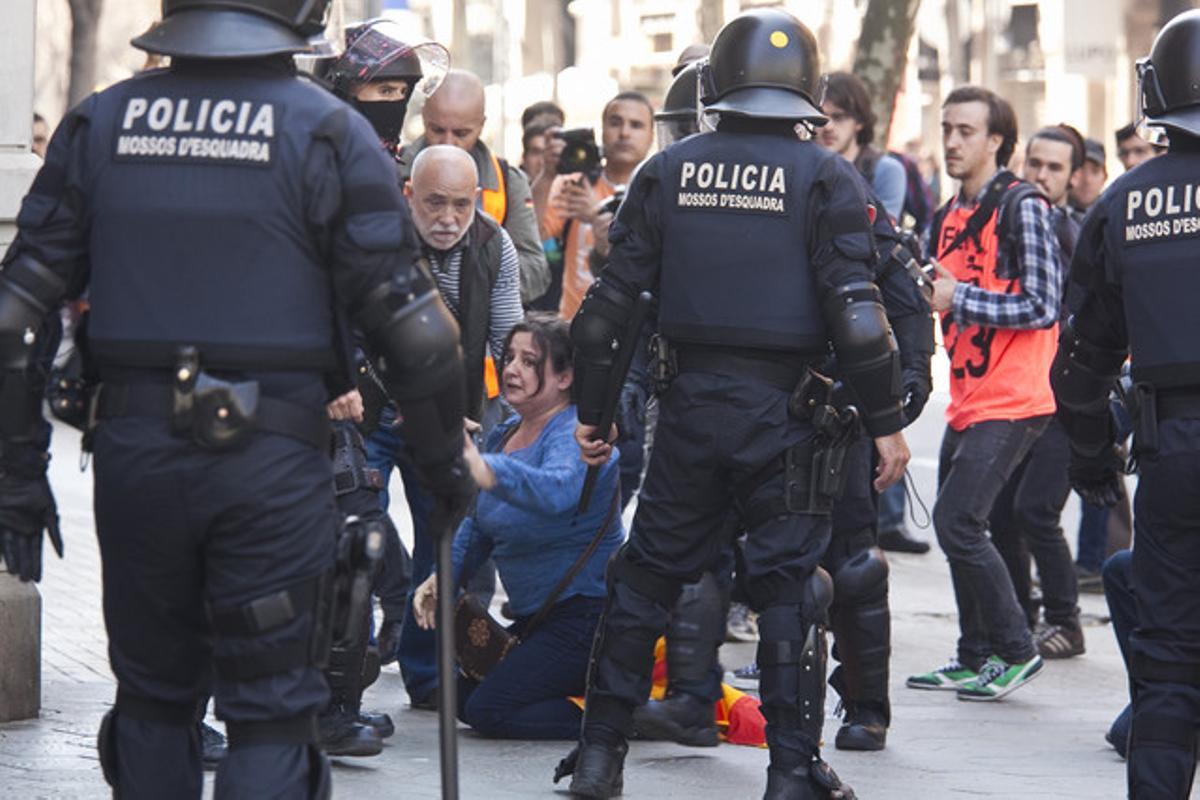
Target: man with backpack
1025, 518
998, 290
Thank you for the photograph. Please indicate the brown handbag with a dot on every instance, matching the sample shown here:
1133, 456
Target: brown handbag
480, 642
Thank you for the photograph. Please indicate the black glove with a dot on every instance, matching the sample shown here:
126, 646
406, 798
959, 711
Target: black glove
916, 394
27, 508
453, 489
1098, 479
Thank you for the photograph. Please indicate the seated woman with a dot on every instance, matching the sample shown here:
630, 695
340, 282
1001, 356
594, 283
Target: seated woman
530, 478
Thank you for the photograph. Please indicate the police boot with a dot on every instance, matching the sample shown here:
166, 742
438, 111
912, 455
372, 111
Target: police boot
814, 780
861, 622
597, 770
380, 722
863, 728
694, 634
341, 734
680, 718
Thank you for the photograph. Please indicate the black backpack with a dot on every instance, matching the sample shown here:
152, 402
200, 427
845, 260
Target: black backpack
1005, 192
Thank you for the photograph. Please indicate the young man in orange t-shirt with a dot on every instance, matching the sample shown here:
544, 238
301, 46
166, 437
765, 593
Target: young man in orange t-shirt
998, 291
573, 211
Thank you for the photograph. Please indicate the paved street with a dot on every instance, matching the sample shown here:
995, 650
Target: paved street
1045, 741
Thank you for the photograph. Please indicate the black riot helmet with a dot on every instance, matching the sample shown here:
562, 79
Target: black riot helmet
218, 29
376, 51
764, 64
1169, 80
679, 117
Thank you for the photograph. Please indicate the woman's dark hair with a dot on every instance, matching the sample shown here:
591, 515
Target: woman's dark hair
1002, 121
551, 335
847, 91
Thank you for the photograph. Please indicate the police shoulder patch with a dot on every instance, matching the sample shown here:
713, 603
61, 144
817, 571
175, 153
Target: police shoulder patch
197, 130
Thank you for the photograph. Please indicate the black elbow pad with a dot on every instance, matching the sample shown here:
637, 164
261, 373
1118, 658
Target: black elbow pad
419, 360
868, 360
1082, 373
596, 333
28, 290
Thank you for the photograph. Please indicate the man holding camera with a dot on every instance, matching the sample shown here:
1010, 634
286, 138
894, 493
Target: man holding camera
573, 213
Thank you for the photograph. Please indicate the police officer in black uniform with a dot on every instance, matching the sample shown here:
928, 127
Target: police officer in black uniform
1136, 257
860, 617
220, 213
758, 246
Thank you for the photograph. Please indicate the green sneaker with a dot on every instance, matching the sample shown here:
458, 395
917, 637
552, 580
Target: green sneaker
998, 678
946, 678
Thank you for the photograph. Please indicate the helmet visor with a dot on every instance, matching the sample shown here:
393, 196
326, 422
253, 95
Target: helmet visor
1148, 100
377, 50
670, 131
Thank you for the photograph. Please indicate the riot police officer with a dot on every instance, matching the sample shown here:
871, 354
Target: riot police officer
1136, 256
758, 245
220, 213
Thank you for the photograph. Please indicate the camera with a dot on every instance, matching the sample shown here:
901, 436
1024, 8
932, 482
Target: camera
581, 154
612, 202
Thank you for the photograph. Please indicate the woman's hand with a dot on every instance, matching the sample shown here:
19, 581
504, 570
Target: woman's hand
594, 451
348, 406
481, 473
425, 603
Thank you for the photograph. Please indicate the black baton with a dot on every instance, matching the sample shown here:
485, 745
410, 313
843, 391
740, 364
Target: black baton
447, 665
616, 380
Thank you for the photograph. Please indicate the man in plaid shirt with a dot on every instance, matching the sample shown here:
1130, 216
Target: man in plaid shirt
998, 290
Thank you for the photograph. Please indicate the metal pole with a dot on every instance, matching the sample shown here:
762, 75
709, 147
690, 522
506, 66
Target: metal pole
447, 666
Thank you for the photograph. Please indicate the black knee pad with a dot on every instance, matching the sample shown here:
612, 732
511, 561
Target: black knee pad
696, 630
698, 615
863, 576
106, 744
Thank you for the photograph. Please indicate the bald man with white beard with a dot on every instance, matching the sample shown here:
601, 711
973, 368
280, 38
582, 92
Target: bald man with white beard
454, 115
474, 261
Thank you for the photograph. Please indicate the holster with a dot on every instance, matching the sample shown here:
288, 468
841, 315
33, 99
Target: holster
69, 397
350, 470
816, 400
1143, 409
814, 470
216, 414
359, 553
663, 366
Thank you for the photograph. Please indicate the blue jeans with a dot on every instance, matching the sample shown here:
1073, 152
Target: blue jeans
1024, 523
525, 695
892, 503
973, 467
417, 650
1122, 607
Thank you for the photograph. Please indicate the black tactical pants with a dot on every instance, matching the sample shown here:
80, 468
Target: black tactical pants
859, 618
181, 529
1165, 645
714, 433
